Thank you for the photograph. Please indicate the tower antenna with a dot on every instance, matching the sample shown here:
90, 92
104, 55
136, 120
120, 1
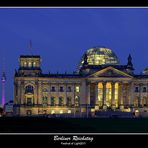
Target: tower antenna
30, 47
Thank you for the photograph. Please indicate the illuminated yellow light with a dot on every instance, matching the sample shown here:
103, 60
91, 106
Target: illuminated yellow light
61, 111
92, 110
127, 110
136, 111
52, 112
34, 63
69, 111
25, 63
29, 64
77, 89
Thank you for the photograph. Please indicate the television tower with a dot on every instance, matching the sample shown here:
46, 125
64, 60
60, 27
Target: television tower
3, 80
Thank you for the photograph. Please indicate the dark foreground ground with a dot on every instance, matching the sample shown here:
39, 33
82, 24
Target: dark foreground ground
71, 125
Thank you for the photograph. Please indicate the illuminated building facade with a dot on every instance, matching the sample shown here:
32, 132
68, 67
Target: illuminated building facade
99, 83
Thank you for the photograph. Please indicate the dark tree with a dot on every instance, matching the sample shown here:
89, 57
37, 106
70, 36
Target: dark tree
1, 110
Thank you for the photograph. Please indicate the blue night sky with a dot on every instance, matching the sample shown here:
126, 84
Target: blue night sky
61, 35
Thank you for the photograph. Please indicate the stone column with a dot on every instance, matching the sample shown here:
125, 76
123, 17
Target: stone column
96, 94
49, 94
88, 100
22, 94
131, 95
88, 94
14, 94
104, 95
57, 92
83, 94
140, 95
65, 98
113, 95
19, 92
120, 96
35, 94
39, 93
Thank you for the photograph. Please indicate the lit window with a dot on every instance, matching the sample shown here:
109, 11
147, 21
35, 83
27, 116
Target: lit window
77, 89
29, 64
25, 64
61, 111
52, 112
69, 111
29, 112
77, 101
34, 64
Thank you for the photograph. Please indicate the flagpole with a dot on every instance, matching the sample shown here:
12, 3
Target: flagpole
30, 47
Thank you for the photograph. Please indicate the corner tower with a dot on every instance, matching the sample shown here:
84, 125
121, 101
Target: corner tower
30, 65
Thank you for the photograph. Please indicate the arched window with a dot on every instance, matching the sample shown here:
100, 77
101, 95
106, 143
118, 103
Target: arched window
53, 101
45, 101
77, 101
29, 89
69, 101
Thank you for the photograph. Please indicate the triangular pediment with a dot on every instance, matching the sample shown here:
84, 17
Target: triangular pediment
110, 72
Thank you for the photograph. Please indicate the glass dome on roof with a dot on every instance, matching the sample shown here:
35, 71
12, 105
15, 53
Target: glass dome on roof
99, 56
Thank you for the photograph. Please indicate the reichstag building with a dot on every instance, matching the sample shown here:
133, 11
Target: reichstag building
99, 83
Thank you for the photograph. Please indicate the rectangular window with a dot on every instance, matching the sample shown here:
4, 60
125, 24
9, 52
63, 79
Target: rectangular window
144, 89
77, 88
29, 101
29, 112
53, 89
61, 89
68, 89
136, 89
